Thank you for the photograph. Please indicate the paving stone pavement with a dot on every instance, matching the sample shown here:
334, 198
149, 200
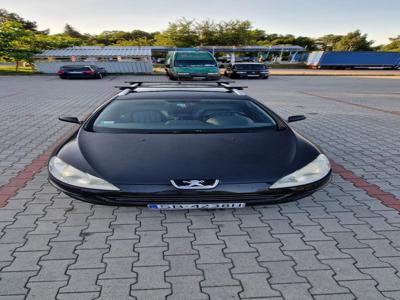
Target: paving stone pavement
339, 243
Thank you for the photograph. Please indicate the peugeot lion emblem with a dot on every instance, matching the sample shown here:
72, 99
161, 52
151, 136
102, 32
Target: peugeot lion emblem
194, 184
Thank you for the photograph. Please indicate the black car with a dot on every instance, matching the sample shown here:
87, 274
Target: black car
247, 70
81, 71
180, 146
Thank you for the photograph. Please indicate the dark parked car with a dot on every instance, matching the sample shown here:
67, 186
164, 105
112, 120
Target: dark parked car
182, 146
81, 71
247, 70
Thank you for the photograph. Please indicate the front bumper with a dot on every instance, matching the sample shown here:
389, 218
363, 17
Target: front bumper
251, 75
198, 76
141, 195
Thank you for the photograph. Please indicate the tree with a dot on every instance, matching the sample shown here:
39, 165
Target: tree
180, 34
207, 33
328, 42
354, 41
26, 24
15, 42
71, 32
394, 44
20, 44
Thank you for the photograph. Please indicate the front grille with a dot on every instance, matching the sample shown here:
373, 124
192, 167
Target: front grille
251, 197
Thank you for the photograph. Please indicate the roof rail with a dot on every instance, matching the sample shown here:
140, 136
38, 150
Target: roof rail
180, 84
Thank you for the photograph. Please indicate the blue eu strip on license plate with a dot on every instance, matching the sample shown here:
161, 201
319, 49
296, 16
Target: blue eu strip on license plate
195, 206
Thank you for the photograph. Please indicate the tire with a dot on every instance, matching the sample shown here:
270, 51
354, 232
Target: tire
172, 77
265, 77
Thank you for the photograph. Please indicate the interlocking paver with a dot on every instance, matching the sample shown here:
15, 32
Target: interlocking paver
44, 290
25, 261
52, 270
89, 258
150, 277
182, 265
121, 248
322, 282
306, 260
217, 275
186, 287
386, 278
339, 243
365, 258
364, 289
115, 289
82, 280
13, 283
245, 263
294, 291
152, 256
282, 272
256, 286
345, 270
119, 268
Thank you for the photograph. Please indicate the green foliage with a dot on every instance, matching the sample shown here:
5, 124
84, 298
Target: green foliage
289, 39
353, 41
29, 25
20, 44
394, 45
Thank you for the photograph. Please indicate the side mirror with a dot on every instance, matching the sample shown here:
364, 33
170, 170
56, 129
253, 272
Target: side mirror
69, 119
167, 65
296, 118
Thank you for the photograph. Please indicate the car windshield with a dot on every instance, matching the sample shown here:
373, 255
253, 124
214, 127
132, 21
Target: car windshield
201, 115
194, 63
251, 67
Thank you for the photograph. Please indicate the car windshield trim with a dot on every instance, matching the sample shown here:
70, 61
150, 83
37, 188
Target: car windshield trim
181, 116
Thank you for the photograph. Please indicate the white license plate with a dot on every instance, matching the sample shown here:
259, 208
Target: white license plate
75, 72
195, 206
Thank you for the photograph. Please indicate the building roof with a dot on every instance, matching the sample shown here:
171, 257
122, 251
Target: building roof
124, 51
232, 49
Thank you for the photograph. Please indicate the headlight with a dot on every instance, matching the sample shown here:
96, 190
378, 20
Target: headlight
213, 73
314, 171
70, 175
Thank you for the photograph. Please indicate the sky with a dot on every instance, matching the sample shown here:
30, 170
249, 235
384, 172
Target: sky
380, 19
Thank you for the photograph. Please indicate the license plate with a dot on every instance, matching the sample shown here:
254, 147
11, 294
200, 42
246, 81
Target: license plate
195, 206
75, 72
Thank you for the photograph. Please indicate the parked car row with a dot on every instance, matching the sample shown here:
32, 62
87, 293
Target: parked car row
202, 65
181, 65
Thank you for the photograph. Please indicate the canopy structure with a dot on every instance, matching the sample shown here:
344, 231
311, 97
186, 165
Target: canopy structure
96, 51
115, 59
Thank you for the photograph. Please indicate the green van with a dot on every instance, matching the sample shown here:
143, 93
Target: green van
191, 65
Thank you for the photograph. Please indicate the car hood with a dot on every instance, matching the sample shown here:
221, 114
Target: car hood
126, 158
196, 69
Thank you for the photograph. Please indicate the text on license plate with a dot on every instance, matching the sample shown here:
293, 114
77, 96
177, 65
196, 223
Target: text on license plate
195, 206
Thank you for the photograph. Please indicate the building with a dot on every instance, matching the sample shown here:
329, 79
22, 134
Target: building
114, 59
